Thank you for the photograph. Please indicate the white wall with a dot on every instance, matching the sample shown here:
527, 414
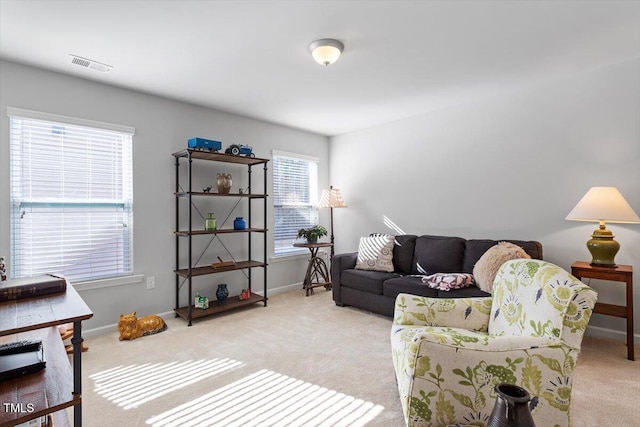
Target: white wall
511, 166
162, 127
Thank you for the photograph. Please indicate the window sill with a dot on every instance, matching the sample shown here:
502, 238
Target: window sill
107, 283
289, 256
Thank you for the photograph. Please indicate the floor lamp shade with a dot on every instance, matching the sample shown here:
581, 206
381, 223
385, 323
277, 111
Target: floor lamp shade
603, 204
331, 198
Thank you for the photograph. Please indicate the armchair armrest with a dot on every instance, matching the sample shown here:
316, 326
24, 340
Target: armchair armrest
466, 313
478, 341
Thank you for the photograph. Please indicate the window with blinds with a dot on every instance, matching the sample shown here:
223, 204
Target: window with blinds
71, 197
295, 194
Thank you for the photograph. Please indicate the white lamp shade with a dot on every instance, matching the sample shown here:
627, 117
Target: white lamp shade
326, 51
331, 198
604, 204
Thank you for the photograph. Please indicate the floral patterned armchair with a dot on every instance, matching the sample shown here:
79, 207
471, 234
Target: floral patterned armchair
448, 354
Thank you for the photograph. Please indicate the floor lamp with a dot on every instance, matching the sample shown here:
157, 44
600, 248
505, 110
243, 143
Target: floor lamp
331, 198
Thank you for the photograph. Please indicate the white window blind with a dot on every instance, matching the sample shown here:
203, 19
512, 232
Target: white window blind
295, 194
71, 197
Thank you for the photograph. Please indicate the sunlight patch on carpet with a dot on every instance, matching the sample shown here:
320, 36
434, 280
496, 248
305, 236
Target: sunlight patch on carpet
132, 385
268, 398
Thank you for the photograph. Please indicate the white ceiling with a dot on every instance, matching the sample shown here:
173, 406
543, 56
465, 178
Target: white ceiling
401, 58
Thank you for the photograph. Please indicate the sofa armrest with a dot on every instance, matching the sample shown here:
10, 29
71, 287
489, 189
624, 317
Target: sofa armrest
467, 313
342, 262
339, 263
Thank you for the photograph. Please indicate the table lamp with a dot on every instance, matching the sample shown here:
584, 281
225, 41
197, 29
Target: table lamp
602, 204
331, 198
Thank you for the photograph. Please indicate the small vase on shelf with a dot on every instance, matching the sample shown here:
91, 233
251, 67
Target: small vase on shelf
210, 223
223, 182
222, 293
239, 223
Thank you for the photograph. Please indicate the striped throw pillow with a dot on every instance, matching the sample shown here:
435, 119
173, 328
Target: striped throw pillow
375, 253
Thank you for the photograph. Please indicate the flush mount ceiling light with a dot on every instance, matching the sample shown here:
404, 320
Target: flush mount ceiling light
326, 51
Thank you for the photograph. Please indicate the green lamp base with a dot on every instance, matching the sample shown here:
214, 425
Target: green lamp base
603, 248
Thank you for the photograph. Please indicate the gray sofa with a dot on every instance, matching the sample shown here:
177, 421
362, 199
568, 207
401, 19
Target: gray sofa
376, 291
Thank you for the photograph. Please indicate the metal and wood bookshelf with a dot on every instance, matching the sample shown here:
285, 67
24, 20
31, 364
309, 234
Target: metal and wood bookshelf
186, 273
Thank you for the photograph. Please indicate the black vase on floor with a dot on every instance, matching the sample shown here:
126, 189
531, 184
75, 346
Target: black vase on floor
222, 293
511, 408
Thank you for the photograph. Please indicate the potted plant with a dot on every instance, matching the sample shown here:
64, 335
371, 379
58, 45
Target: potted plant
312, 234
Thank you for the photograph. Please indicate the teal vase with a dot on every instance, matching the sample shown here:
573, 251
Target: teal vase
222, 293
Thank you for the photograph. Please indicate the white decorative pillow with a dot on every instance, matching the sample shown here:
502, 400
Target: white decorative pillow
376, 253
485, 270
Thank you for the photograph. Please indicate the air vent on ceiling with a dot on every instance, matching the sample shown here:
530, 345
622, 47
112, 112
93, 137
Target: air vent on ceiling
89, 63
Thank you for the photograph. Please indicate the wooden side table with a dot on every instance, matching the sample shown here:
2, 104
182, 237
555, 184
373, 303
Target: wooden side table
317, 271
60, 383
621, 273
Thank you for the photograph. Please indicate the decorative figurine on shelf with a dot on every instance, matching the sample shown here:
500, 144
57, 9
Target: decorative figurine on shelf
223, 181
245, 294
207, 189
130, 327
201, 302
240, 150
203, 144
3, 269
210, 223
222, 293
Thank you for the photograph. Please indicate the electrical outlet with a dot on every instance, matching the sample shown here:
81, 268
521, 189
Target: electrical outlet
151, 282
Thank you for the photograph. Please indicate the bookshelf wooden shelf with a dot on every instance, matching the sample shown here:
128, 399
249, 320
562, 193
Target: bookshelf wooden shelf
233, 302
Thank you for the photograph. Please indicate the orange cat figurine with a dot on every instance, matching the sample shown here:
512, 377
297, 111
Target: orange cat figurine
130, 327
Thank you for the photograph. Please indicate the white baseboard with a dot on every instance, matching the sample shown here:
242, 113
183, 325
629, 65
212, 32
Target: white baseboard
281, 289
94, 332
598, 331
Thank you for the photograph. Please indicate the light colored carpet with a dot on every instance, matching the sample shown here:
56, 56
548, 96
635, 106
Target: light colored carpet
299, 361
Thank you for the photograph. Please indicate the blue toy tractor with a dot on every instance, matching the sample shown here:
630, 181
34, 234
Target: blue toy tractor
240, 150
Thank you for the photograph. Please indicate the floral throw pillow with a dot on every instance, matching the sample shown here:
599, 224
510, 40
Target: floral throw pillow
376, 253
448, 281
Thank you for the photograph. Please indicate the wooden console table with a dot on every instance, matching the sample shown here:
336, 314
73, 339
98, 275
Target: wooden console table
57, 386
317, 271
620, 273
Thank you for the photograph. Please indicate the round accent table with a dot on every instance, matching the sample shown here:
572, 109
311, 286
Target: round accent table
317, 271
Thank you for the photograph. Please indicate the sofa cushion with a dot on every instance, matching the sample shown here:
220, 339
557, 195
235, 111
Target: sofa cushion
365, 280
470, 292
403, 253
438, 254
475, 248
376, 253
407, 285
